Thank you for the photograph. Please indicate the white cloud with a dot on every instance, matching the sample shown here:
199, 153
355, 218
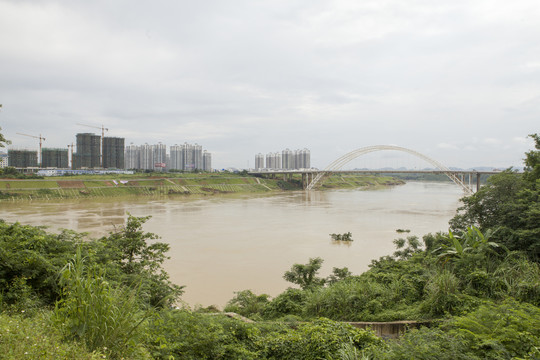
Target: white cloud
431, 76
447, 146
491, 141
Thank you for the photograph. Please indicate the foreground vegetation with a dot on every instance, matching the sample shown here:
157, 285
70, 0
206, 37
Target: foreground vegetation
65, 297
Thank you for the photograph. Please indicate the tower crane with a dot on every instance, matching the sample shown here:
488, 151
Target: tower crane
41, 139
103, 129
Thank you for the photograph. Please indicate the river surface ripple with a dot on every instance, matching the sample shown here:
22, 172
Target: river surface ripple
223, 244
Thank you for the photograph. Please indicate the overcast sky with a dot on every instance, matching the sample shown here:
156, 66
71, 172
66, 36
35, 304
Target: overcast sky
456, 80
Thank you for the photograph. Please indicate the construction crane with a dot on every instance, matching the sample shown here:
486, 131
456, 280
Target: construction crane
103, 129
41, 139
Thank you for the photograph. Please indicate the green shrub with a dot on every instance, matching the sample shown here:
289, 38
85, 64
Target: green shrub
320, 339
179, 334
91, 311
289, 302
246, 303
503, 331
23, 337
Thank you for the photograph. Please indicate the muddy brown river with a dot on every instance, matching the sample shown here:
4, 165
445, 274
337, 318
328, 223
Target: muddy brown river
223, 244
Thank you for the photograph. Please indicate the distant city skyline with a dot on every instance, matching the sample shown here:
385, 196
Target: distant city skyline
457, 81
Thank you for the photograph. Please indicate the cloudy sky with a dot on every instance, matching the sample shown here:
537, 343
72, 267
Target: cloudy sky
456, 80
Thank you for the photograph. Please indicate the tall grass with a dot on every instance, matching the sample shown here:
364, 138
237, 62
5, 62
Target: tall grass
104, 318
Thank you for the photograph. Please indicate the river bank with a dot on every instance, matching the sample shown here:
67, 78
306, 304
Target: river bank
92, 186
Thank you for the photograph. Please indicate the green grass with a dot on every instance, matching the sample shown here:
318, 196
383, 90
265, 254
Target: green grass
25, 184
174, 185
36, 338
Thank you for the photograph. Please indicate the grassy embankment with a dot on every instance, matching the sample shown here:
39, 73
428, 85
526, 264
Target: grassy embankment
169, 184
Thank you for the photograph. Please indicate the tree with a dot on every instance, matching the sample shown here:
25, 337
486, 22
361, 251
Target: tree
246, 303
509, 202
532, 161
305, 275
140, 262
3, 140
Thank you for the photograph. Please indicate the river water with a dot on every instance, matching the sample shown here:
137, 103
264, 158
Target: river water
223, 244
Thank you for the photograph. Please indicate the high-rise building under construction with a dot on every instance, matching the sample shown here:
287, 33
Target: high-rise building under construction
22, 158
54, 158
88, 151
113, 153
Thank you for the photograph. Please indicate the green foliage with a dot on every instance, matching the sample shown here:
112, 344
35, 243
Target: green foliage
305, 275
532, 161
3, 141
23, 337
140, 262
493, 331
510, 202
289, 302
91, 311
342, 237
407, 247
246, 303
338, 274
179, 334
508, 330
425, 344
320, 339
518, 278
442, 294
30, 260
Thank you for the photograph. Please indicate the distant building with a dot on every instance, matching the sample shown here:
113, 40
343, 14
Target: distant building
54, 158
287, 160
146, 156
207, 161
131, 157
259, 161
184, 157
159, 157
22, 158
273, 161
3, 160
176, 158
88, 151
302, 159
113, 153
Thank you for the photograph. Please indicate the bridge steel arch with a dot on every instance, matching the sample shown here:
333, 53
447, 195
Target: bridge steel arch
337, 164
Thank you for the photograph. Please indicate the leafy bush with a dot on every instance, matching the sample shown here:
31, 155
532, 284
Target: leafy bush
320, 339
289, 302
180, 334
503, 331
246, 303
30, 260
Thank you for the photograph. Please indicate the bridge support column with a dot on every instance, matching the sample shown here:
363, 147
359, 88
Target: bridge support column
477, 182
304, 180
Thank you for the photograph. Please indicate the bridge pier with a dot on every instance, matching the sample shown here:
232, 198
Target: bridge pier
307, 178
477, 182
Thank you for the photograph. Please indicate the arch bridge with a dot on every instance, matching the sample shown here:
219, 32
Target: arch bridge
312, 178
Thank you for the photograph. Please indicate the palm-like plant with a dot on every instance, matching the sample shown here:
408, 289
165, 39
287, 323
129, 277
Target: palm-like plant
471, 242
